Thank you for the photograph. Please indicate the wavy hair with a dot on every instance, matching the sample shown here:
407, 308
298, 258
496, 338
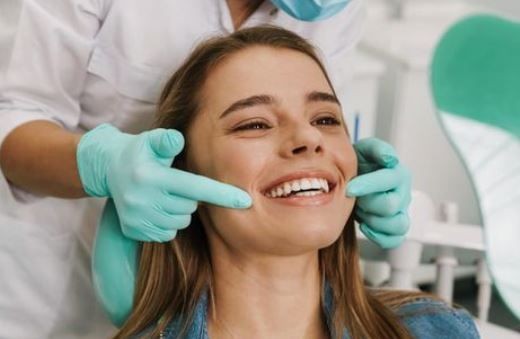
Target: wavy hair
172, 276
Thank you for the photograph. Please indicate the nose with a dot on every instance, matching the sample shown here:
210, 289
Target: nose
302, 139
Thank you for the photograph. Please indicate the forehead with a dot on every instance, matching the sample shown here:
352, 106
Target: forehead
263, 69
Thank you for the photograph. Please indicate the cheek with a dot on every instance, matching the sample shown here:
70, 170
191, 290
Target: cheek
345, 158
351, 162
346, 162
239, 163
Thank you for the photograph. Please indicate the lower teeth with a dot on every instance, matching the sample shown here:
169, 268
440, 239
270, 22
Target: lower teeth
307, 193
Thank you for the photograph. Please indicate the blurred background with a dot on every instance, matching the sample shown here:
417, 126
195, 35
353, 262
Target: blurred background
392, 63
391, 99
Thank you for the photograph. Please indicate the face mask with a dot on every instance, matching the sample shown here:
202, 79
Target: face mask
310, 10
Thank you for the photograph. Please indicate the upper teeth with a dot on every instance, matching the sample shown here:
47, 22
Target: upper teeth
288, 187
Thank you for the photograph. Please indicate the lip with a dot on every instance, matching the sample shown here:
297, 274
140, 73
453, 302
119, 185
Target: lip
331, 179
315, 200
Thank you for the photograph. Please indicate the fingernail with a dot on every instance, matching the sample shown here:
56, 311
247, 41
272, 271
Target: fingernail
243, 200
175, 139
390, 160
354, 189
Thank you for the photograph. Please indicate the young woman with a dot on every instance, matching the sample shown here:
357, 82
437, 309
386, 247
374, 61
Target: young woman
288, 266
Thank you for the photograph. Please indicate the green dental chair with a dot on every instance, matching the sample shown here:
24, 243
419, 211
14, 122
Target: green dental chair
475, 80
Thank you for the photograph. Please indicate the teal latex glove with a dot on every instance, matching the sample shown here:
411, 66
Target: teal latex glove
153, 200
383, 191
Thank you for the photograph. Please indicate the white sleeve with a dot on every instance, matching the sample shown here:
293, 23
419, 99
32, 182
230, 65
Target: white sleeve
350, 28
46, 66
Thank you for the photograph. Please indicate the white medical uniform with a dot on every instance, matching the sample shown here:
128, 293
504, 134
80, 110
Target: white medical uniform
80, 63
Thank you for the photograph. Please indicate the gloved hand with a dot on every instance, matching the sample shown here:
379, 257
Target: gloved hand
383, 191
152, 199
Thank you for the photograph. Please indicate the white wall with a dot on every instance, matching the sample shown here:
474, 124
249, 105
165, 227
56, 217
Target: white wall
507, 7
9, 11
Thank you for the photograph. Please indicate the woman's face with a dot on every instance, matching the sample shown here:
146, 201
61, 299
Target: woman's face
270, 124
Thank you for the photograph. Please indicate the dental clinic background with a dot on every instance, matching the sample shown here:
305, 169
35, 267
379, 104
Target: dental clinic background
391, 99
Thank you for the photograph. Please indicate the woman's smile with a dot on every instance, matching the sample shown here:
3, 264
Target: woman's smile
302, 188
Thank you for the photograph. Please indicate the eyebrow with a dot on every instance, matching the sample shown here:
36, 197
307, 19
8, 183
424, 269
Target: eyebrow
316, 96
264, 99
251, 101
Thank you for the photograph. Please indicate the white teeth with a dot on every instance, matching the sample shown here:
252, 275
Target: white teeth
305, 184
307, 193
324, 185
316, 185
287, 188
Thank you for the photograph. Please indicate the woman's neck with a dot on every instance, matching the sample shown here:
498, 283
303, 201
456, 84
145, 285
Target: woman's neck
270, 297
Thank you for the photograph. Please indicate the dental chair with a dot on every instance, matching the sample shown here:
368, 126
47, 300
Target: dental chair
475, 82
475, 79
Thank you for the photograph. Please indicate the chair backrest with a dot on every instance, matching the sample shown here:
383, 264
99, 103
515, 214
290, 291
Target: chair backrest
114, 266
475, 80
475, 72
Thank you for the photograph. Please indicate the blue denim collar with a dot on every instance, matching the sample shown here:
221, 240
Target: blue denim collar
425, 318
198, 328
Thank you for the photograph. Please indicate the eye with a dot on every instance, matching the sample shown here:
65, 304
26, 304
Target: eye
327, 121
252, 125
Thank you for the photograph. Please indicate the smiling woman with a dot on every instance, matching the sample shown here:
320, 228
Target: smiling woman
259, 112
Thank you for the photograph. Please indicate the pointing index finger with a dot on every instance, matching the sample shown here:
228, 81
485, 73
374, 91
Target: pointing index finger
201, 188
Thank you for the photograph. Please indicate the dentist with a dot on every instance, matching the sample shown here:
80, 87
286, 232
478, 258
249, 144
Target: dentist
76, 105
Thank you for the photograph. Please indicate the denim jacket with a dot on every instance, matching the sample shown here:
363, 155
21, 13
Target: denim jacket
424, 318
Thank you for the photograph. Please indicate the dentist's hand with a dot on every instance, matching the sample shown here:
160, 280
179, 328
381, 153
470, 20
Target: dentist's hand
383, 191
152, 199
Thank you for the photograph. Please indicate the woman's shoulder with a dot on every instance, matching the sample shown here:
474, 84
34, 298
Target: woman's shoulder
430, 318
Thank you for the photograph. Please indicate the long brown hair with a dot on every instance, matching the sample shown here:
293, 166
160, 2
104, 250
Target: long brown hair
173, 276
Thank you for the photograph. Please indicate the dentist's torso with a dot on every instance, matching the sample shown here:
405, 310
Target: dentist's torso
82, 63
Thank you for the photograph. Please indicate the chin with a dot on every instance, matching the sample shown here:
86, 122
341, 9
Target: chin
295, 239
320, 236
288, 234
